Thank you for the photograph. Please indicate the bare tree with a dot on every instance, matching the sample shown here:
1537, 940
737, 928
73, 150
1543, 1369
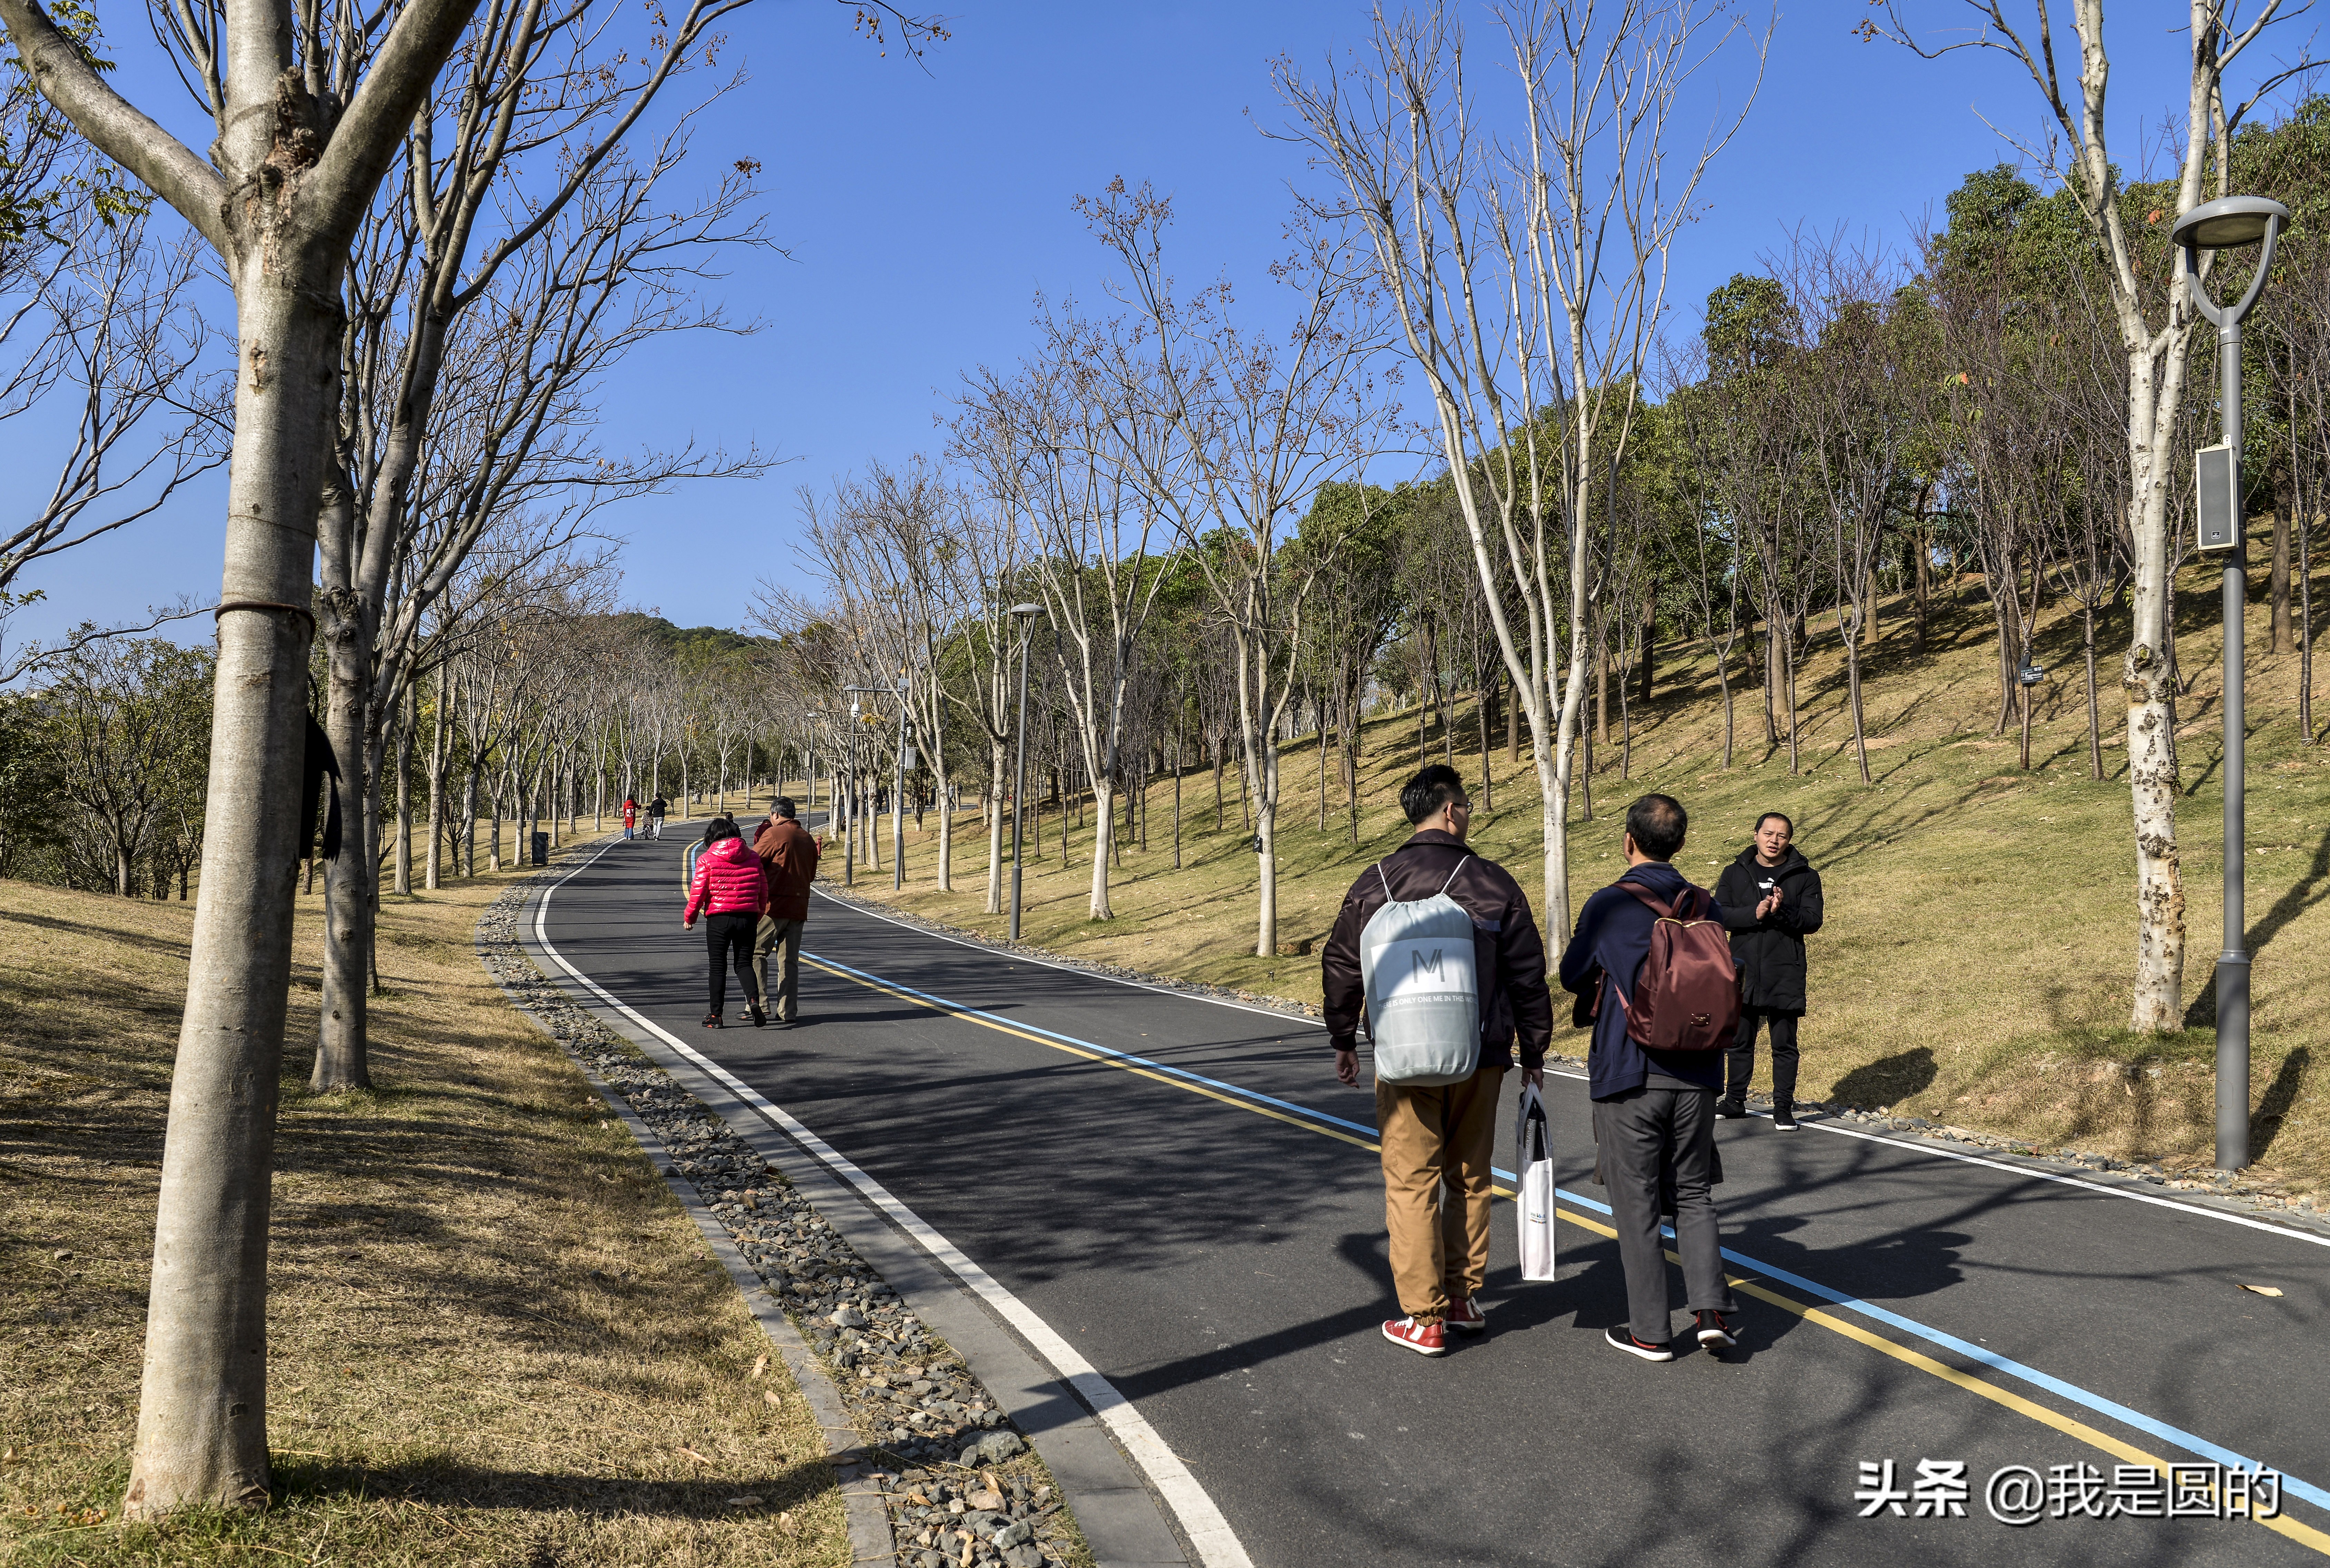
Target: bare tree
1525, 277
309, 110
2155, 326
492, 417
1232, 432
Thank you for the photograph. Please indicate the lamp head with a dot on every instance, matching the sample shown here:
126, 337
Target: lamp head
1025, 610
2229, 221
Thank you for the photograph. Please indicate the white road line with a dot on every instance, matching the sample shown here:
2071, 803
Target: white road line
1217, 1543
1295, 1020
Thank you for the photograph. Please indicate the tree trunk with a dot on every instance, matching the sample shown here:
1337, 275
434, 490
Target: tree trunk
1650, 638
1601, 683
1266, 818
1925, 556
1723, 680
2095, 722
1774, 687
202, 1414
1177, 793
347, 631
997, 758
430, 874
2305, 632
404, 728
2279, 641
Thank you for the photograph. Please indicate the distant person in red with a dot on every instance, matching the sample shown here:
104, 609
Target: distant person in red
731, 889
630, 815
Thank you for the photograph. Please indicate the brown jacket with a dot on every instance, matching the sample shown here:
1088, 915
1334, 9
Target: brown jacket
1516, 1004
789, 857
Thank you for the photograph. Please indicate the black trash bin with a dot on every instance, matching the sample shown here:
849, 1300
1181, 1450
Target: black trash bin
542, 849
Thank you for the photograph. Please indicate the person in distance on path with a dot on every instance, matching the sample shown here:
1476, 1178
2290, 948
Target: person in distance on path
1771, 899
1436, 1138
1653, 1110
630, 815
788, 858
656, 809
730, 891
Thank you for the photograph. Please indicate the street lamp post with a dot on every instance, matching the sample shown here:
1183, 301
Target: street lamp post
1024, 613
2228, 221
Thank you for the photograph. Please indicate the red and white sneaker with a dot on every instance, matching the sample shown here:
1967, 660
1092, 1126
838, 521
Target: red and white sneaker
1465, 1315
1424, 1338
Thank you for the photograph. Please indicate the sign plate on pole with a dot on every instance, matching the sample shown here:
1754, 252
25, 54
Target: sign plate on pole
2219, 506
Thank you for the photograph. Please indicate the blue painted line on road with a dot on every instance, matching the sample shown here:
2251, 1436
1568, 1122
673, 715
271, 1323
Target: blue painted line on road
2188, 1442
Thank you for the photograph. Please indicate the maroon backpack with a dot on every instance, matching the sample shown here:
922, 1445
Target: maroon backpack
1687, 994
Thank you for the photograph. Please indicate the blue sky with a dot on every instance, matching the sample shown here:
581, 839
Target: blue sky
923, 206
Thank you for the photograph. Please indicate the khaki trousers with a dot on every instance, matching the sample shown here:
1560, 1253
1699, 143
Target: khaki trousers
773, 935
1437, 1148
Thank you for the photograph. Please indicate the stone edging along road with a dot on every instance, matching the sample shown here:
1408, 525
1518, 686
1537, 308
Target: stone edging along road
932, 1471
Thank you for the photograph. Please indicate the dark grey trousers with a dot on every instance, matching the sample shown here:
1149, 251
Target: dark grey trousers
1643, 1136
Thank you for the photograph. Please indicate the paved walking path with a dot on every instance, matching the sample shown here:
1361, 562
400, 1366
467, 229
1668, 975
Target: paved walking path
1181, 1193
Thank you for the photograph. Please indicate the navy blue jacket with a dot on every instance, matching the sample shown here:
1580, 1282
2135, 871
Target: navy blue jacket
1614, 938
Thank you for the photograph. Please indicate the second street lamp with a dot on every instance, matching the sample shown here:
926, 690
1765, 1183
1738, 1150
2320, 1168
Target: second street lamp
2227, 222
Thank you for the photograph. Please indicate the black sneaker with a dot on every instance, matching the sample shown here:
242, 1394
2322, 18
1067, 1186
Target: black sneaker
1623, 1339
1714, 1333
1784, 1119
759, 1017
1730, 1110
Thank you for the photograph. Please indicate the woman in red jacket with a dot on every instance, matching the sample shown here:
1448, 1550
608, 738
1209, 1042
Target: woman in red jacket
731, 893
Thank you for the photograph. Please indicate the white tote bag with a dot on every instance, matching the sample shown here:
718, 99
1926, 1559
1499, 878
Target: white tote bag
1533, 1201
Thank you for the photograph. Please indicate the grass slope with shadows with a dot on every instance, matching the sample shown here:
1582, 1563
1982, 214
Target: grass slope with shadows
1976, 965
494, 1338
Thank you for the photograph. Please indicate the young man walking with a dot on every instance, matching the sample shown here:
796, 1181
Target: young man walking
789, 856
656, 809
1437, 1141
1653, 1110
1771, 899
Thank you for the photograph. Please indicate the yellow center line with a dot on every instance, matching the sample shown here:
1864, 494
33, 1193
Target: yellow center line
2280, 1525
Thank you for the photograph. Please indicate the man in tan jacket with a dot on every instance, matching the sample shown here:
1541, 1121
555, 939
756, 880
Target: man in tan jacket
788, 858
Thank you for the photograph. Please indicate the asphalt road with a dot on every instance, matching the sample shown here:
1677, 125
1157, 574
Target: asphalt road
1223, 1267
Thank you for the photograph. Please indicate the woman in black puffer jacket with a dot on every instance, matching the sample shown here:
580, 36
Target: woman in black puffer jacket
1771, 901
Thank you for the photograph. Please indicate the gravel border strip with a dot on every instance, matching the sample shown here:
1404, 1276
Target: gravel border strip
868, 1522
1006, 1513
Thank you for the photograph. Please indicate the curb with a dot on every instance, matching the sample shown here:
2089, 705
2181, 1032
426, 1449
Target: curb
868, 1520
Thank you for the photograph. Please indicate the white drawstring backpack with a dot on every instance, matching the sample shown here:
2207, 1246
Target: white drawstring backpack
1424, 995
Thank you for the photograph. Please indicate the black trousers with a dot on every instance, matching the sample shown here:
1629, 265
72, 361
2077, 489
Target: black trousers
725, 935
1739, 1062
1648, 1138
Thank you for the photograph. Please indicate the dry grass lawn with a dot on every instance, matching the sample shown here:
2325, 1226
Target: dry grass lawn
1976, 963
496, 1339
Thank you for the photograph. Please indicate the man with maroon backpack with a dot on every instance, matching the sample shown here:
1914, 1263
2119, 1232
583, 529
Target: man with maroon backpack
1651, 958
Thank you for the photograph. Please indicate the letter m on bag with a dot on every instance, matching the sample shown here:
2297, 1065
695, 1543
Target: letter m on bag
1422, 967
